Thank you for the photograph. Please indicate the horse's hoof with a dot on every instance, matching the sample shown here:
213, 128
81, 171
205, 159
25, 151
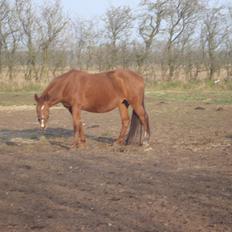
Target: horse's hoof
147, 147
120, 142
73, 147
145, 143
82, 146
117, 144
78, 146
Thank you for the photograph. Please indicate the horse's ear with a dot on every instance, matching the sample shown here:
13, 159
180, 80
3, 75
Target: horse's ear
36, 97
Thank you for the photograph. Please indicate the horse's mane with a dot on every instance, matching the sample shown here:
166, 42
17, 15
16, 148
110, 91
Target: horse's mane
56, 80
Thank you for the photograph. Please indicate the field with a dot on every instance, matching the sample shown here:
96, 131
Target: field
183, 184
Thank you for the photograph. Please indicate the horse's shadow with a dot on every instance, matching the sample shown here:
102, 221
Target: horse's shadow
52, 135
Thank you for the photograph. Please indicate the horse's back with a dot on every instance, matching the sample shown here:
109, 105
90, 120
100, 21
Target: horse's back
129, 82
123, 83
125, 75
118, 78
115, 86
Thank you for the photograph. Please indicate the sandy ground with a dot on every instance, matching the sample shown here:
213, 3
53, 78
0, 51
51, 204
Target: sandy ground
183, 184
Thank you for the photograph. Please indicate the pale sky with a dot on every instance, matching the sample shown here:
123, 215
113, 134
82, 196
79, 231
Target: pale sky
91, 8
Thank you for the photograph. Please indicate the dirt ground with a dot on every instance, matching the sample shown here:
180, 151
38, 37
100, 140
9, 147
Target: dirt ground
183, 184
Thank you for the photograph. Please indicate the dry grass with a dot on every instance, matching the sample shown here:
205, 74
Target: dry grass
154, 76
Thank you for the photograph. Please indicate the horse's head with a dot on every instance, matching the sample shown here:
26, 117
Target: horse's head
42, 110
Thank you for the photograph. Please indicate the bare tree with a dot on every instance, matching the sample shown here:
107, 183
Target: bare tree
27, 18
228, 45
214, 34
11, 41
4, 30
51, 24
172, 37
85, 36
118, 24
150, 20
181, 14
184, 53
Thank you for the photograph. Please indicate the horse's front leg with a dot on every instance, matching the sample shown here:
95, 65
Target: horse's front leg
79, 137
81, 133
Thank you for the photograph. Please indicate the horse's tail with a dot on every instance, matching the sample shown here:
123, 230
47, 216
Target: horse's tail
136, 130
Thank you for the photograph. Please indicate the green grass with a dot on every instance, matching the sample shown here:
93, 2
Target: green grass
19, 95
16, 98
206, 92
31, 87
193, 91
190, 85
212, 97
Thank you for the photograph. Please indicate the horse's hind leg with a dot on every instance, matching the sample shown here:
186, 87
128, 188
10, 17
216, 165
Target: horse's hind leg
125, 119
142, 114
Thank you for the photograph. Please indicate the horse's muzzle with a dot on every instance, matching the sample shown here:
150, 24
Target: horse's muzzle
43, 124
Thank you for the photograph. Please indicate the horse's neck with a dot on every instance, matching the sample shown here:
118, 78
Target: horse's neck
54, 94
53, 101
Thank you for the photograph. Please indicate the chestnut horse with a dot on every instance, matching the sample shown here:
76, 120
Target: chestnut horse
99, 93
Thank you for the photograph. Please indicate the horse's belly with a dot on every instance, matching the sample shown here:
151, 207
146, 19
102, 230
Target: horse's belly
98, 109
100, 106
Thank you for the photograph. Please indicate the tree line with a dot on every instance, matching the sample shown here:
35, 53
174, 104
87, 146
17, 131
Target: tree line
162, 39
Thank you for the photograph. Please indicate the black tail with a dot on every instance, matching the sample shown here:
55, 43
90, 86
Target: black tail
135, 132
136, 129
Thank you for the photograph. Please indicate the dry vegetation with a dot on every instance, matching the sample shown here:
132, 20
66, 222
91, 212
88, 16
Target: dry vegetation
164, 40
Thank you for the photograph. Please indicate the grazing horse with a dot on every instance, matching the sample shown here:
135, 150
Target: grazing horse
99, 93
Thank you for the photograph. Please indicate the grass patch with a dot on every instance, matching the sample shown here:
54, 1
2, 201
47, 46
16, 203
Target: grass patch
17, 94
212, 97
190, 85
193, 91
16, 87
16, 98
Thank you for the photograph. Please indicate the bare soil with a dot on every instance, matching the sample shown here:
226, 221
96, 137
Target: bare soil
183, 184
